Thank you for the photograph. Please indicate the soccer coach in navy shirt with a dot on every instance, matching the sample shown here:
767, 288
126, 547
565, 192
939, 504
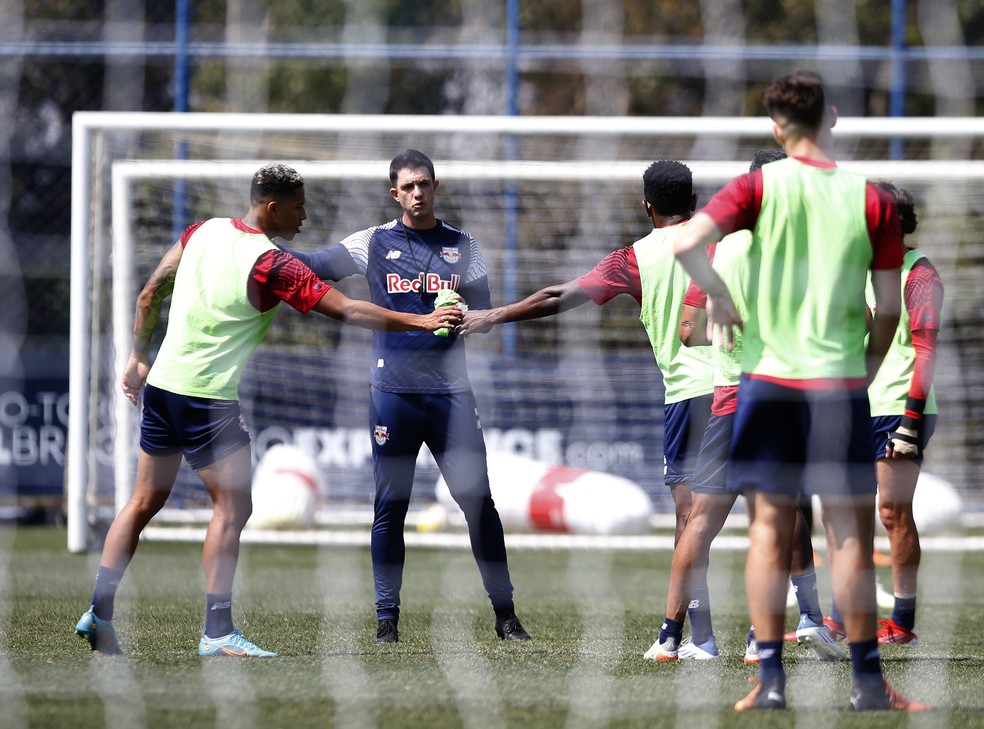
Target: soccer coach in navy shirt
420, 392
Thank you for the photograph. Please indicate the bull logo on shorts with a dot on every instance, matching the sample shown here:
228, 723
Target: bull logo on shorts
381, 434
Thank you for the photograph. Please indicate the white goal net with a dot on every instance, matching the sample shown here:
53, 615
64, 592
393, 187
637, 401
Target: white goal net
546, 198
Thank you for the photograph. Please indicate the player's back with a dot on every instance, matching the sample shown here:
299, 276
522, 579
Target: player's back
687, 371
810, 255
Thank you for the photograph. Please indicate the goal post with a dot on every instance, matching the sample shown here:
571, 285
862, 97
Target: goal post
572, 186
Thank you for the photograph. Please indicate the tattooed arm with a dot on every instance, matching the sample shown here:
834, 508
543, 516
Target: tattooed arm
158, 287
693, 326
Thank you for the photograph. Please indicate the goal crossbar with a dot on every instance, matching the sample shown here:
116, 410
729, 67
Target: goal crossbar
880, 127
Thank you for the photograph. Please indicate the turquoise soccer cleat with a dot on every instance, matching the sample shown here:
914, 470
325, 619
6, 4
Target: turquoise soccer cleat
99, 633
235, 644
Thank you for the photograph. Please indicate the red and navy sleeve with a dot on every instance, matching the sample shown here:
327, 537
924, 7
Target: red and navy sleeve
617, 273
736, 206
923, 298
883, 229
188, 233
279, 276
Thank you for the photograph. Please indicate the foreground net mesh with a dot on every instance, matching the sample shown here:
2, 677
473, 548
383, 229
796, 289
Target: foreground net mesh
579, 389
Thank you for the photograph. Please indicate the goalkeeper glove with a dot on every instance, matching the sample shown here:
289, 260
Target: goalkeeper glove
904, 441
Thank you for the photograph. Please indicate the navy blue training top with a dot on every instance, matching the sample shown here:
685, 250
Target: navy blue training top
405, 269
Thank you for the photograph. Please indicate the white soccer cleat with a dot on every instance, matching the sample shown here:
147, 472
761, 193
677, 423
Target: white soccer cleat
817, 637
706, 651
752, 652
666, 651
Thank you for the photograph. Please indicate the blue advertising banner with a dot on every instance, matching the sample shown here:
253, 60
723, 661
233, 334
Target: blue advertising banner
33, 426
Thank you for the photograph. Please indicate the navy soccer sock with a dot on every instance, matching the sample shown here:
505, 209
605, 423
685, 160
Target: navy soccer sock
218, 614
866, 663
904, 612
671, 629
807, 596
770, 665
699, 612
104, 593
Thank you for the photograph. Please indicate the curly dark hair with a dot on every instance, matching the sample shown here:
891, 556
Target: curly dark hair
764, 156
668, 186
274, 180
903, 202
796, 98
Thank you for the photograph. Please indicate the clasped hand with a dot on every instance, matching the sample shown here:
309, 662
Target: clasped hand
902, 443
722, 318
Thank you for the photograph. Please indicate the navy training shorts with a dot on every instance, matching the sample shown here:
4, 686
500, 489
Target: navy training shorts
793, 441
710, 475
202, 429
683, 430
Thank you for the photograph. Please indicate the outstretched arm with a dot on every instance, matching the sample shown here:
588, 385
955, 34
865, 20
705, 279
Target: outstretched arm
148, 311
367, 315
329, 264
545, 302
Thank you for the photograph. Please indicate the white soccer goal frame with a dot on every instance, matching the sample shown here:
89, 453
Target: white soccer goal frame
88, 125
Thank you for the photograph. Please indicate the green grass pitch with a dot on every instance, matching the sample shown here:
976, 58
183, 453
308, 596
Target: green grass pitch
592, 614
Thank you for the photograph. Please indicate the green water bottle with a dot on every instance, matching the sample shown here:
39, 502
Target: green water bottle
445, 297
